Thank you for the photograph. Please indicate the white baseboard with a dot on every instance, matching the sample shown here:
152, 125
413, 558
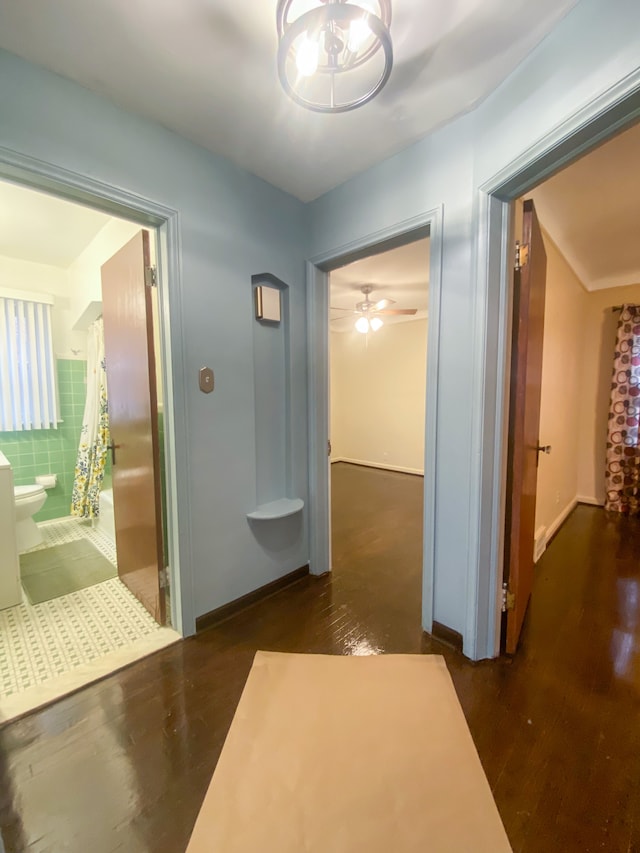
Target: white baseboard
543, 537
539, 543
553, 528
583, 499
384, 466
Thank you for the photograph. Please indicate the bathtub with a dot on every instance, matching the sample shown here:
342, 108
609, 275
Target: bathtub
106, 521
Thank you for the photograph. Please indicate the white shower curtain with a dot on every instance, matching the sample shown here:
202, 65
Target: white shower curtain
94, 436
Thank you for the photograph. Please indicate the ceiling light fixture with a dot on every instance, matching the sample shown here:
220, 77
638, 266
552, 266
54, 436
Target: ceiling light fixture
336, 55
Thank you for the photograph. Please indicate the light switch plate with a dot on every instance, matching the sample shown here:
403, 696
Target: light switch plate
207, 380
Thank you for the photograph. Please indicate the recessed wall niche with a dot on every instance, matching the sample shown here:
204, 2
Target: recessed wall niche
272, 383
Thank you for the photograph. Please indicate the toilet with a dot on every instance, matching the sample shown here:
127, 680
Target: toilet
28, 500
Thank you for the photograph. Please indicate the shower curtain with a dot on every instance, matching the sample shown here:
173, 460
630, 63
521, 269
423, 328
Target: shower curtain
623, 453
94, 435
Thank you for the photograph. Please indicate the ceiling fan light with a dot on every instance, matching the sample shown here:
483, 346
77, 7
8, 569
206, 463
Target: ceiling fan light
375, 323
362, 325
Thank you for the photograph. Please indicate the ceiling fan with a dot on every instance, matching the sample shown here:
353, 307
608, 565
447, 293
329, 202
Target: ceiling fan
368, 312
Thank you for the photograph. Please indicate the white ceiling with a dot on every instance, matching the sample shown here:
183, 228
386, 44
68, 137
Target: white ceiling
43, 229
400, 274
207, 69
591, 211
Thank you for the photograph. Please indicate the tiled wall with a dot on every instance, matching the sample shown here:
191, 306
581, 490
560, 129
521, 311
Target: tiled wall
52, 451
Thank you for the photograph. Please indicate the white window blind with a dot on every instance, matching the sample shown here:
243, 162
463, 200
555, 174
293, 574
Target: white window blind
27, 368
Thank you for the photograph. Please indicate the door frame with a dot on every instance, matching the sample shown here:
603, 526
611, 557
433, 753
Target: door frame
428, 224
40, 175
610, 112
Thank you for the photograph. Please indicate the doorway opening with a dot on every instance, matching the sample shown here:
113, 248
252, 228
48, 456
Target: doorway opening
74, 592
564, 457
378, 377
426, 225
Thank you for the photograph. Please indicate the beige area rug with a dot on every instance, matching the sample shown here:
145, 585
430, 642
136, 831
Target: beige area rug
346, 755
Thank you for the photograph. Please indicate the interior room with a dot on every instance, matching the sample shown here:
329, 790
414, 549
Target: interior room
587, 212
584, 486
208, 125
378, 369
65, 614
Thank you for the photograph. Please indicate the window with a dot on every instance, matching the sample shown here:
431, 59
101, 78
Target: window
27, 368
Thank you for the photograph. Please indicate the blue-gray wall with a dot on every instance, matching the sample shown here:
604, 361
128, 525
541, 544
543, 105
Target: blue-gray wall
589, 51
232, 225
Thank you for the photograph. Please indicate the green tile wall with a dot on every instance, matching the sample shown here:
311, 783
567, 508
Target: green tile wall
52, 451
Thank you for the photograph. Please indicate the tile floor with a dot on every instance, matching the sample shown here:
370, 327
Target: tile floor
40, 642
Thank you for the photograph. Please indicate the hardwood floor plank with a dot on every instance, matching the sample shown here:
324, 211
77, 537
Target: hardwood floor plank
123, 765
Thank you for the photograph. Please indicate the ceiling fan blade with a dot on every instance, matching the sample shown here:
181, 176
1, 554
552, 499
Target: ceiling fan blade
384, 303
390, 311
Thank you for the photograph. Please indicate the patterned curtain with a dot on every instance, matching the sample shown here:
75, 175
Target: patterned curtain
623, 452
94, 435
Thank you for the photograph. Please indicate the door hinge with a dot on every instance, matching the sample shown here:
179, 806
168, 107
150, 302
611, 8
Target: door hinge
163, 574
329, 448
150, 277
508, 598
522, 255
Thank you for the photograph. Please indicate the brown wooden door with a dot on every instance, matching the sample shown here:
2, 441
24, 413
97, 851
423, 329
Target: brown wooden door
133, 421
524, 421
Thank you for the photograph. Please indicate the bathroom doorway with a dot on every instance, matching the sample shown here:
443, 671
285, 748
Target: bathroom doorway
82, 607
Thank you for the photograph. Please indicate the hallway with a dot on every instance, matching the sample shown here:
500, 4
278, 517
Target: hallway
123, 765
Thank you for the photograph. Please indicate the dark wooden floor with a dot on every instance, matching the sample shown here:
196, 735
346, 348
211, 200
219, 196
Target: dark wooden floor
124, 764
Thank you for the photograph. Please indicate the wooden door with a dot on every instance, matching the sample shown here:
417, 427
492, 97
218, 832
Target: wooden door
133, 421
524, 422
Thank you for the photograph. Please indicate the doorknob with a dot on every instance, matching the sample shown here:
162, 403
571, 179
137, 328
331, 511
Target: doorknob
112, 448
542, 448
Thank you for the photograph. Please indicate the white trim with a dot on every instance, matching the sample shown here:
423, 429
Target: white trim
545, 535
382, 465
539, 543
598, 120
583, 499
553, 528
318, 385
26, 295
29, 171
593, 123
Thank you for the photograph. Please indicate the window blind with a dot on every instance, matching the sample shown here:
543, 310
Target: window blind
27, 368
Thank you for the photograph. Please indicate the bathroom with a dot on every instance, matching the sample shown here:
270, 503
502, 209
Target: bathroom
61, 579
